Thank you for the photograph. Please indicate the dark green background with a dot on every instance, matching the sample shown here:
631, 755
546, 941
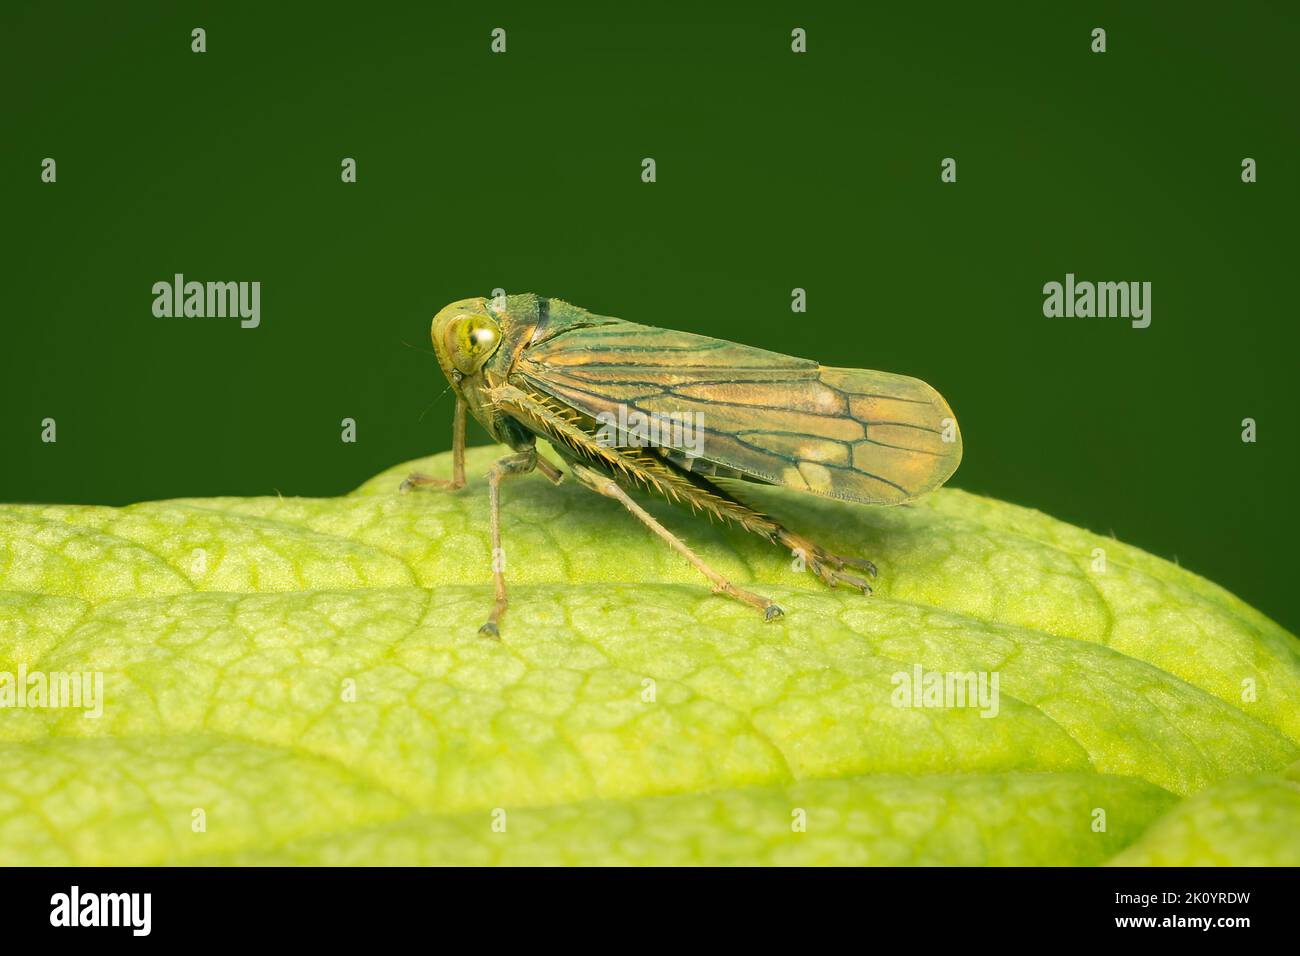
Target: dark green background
775, 171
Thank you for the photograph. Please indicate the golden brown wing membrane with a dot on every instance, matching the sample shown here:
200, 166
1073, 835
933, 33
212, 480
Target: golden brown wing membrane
866, 436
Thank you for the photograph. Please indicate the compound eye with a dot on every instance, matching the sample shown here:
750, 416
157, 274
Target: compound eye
473, 339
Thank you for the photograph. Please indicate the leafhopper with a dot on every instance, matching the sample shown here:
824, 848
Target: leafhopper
686, 417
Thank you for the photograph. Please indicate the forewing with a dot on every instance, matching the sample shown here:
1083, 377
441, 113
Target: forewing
866, 436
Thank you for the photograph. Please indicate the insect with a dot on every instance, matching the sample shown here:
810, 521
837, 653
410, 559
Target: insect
527, 366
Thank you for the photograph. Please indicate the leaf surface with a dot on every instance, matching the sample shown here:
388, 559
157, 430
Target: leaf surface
307, 674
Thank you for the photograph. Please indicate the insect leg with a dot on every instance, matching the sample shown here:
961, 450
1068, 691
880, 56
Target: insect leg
827, 566
517, 464
418, 479
606, 486
553, 474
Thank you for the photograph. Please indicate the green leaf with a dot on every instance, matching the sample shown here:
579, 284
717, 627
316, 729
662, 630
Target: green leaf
1249, 822
307, 673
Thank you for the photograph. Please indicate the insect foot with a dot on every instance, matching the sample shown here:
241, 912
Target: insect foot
830, 567
771, 610
418, 479
835, 577
414, 480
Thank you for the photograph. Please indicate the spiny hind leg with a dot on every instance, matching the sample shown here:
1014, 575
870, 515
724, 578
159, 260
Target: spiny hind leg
604, 485
826, 565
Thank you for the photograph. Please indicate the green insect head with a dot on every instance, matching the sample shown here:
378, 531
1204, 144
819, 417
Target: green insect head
465, 335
